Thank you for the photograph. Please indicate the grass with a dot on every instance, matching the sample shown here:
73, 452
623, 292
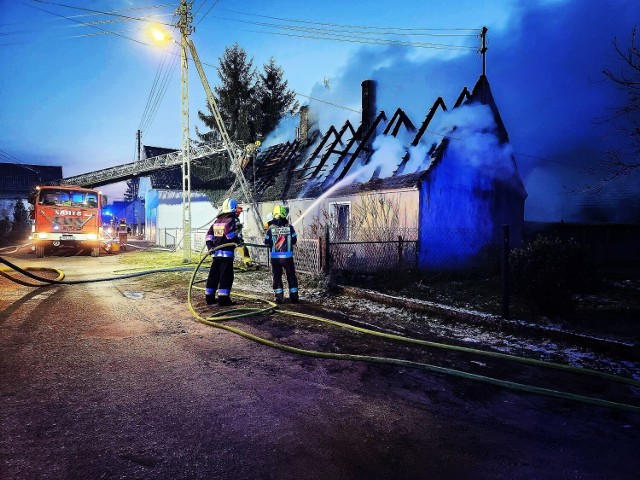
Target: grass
156, 259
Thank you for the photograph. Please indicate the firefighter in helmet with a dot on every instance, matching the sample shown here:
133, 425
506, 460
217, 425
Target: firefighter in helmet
122, 234
280, 238
224, 231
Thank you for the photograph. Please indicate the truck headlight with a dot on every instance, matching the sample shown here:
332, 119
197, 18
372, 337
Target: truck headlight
42, 235
92, 236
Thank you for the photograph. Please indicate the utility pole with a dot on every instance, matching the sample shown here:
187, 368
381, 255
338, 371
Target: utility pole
138, 140
184, 25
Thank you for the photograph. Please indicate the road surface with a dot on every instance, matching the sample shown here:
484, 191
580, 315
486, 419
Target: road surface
117, 380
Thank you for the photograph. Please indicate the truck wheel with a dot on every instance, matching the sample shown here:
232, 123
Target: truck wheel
40, 251
95, 252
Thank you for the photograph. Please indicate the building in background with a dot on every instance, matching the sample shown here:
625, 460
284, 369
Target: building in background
18, 180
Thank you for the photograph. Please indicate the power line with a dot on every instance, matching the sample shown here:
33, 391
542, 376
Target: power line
145, 123
11, 159
370, 41
207, 12
351, 26
92, 26
548, 160
99, 12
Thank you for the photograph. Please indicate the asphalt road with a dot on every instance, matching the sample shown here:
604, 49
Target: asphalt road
117, 380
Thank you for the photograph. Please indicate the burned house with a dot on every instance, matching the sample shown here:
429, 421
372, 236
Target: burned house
449, 183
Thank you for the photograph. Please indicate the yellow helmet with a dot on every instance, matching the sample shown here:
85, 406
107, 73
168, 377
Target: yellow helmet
279, 212
228, 206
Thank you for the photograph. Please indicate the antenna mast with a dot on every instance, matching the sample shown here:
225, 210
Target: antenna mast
483, 50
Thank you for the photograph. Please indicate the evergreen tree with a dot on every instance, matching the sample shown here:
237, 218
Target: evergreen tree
235, 97
20, 226
251, 104
273, 97
5, 226
131, 193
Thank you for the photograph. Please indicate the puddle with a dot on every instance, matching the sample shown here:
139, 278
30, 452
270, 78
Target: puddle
134, 295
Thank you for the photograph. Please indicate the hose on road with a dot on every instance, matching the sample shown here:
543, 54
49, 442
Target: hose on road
217, 319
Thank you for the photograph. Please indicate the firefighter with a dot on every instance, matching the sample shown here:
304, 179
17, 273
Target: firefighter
269, 221
223, 231
280, 238
122, 234
242, 251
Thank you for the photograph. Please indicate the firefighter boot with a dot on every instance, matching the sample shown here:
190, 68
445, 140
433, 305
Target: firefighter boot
278, 298
293, 296
211, 299
225, 301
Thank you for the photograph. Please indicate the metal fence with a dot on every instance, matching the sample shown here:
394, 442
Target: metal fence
370, 257
310, 254
307, 254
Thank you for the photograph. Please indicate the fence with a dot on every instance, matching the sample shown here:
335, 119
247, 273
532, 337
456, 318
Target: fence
370, 257
443, 250
307, 253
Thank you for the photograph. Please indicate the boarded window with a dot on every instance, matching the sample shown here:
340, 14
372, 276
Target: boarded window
343, 227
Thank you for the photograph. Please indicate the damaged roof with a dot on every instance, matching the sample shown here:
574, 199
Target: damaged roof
346, 159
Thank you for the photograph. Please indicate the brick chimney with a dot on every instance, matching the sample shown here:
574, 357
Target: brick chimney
369, 108
303, 129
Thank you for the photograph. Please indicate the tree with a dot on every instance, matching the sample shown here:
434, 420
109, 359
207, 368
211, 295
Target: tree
133, 187
273, 97
624, 158
251, 104
5, 226
235, 97
20, 226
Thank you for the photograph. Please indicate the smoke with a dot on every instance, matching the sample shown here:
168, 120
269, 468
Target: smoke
544, 67
475, 143
545, 70
284, 132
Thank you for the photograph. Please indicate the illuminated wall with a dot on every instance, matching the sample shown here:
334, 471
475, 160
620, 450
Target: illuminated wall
469, 192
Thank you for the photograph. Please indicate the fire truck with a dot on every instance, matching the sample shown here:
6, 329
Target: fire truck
66, 216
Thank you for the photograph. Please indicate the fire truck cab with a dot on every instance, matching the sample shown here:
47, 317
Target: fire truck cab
66, 216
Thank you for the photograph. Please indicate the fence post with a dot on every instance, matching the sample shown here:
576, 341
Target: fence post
399, 251
327, 259
505, 271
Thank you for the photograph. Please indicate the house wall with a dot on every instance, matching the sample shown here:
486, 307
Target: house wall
163, 209
462, 214
309, 215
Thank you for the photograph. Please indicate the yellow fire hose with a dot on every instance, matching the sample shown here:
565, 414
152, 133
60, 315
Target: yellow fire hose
216, 320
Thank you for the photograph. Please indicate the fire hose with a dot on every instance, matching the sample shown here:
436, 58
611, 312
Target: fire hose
216, 320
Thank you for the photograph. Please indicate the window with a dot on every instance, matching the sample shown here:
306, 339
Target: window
342, 221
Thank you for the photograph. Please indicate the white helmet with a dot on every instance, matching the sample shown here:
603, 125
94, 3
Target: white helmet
229, 205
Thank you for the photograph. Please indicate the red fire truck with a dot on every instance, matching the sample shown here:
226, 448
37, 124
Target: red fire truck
66, 216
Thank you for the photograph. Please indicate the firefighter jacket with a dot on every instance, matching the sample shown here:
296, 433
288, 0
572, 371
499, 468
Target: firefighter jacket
224, 230
280, 238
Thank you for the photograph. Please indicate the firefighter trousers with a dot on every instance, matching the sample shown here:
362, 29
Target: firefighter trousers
220, 277
286, 264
